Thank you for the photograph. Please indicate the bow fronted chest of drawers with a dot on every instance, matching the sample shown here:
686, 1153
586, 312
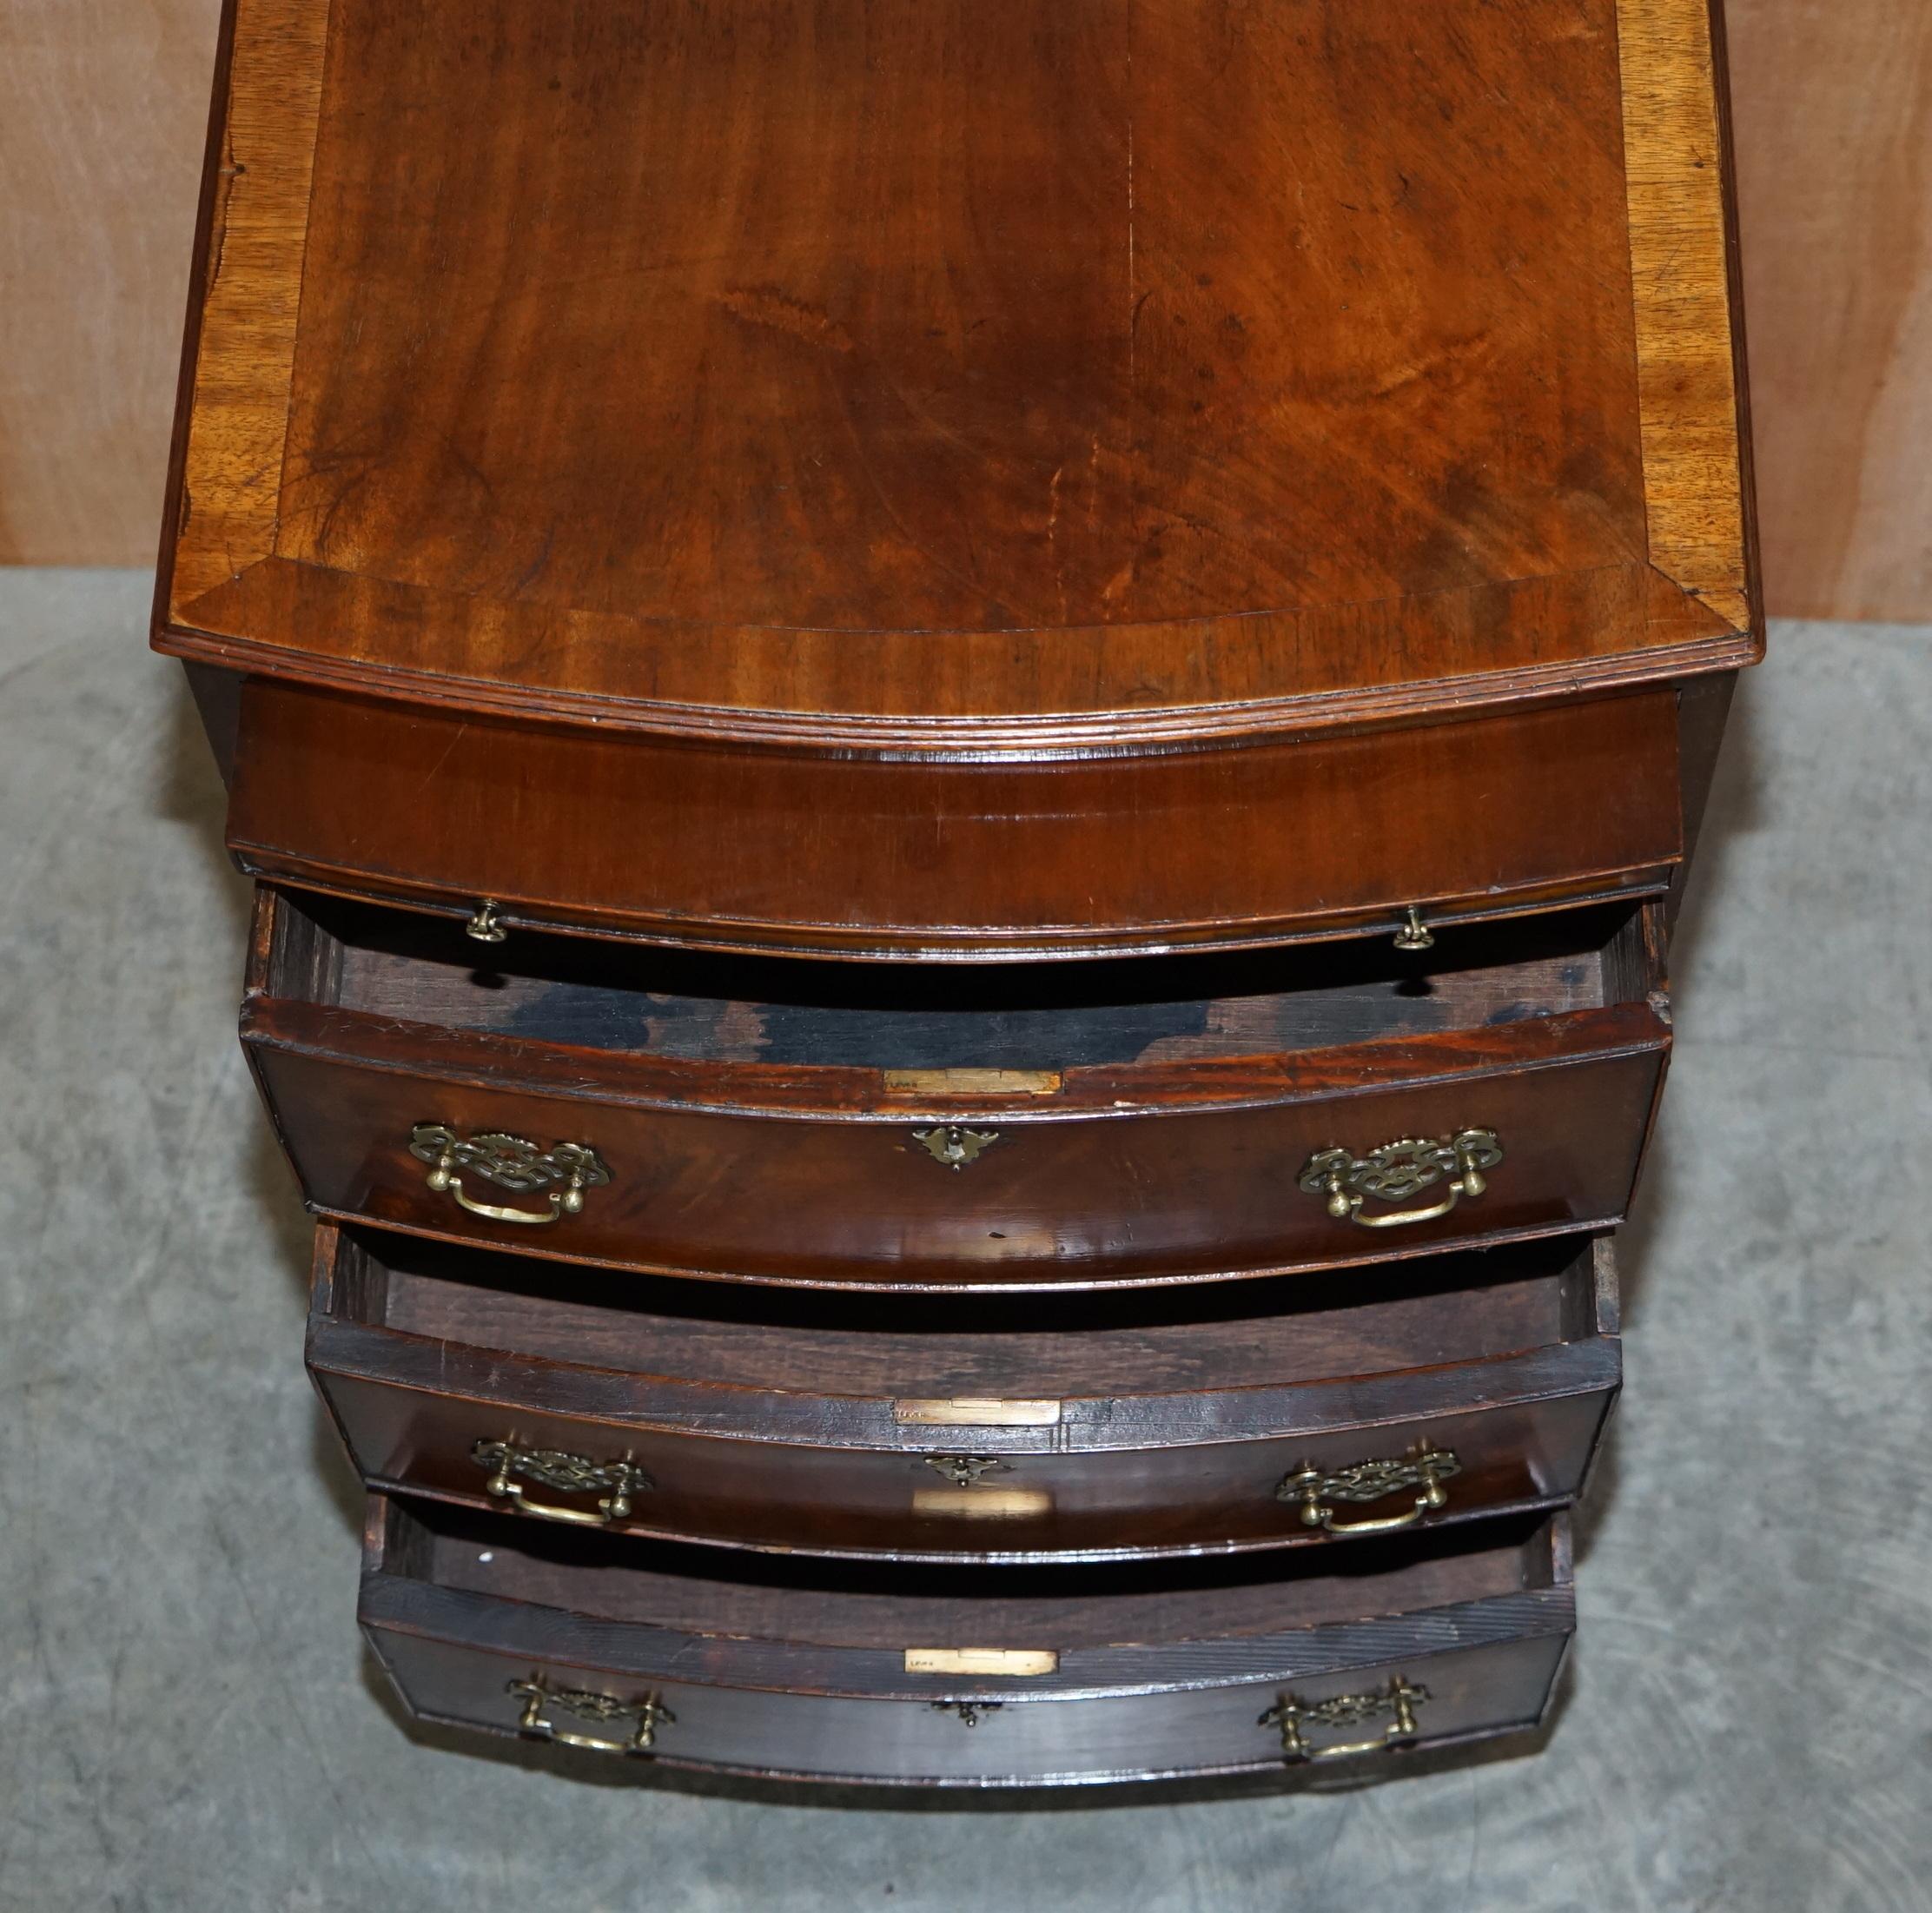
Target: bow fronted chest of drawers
967, 730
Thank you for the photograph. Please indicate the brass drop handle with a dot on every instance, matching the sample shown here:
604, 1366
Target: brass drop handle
1398, 1700
650, 1713
569, 1473
1422, 1468
1394, 1172
442, 1177
511, 1163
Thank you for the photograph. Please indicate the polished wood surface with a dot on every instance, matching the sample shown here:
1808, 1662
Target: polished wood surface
1196, 1185
1151, 1168
1175, 1416
746, 847
803, 1674
910, 366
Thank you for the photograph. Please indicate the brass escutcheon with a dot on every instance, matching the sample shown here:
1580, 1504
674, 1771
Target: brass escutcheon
537, 1695
511, 1163
568, 1474
1398, 1700
1360, 1482
953, 1146
1392, 1172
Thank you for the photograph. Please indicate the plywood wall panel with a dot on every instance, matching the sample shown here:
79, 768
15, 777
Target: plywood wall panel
1832, 111
103, 111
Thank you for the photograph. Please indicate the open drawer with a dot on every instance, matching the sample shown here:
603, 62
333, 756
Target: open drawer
984, 1677
790, 1122
1140, 1422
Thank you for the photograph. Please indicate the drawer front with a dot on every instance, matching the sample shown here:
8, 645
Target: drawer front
869, 1195
966, 1734
473, 1425
702, 845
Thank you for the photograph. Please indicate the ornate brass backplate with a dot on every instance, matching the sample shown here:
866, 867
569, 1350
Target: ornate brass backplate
568, 1474
602, 1710
1394, 1172
1422, 1468
1398, 1701
954, 1145
511, 1162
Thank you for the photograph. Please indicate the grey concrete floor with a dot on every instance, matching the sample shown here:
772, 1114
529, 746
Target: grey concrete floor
187, 1718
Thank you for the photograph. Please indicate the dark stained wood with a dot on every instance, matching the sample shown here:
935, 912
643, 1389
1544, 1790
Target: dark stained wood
751, 847
767, 1425
1129, 1171
217, 697
706, 1007
879, 1609
1702, 709
1165, 1672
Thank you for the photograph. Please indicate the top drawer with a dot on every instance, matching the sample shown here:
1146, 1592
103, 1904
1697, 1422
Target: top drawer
1099, 1125
985, 857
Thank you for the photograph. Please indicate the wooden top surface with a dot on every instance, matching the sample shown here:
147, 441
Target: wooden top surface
1001, 370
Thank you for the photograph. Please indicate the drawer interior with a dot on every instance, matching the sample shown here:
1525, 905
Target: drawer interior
797, 1012
1474, 1307
860, 1604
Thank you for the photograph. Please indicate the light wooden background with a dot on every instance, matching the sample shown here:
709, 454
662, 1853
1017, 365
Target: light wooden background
103, 104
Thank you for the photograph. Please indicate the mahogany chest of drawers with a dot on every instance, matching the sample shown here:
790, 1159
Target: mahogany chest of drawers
969, 730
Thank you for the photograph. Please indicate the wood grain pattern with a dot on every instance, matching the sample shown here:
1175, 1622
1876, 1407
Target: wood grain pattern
758, 1430
1167, 1673
912, 367
822, 1611
247, 292
1107, 684
976, 860
1680, 270
1006, 1033
960, 316
103, 105
1491, 1667
1199, 1191
1832, 101
1163, 1170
